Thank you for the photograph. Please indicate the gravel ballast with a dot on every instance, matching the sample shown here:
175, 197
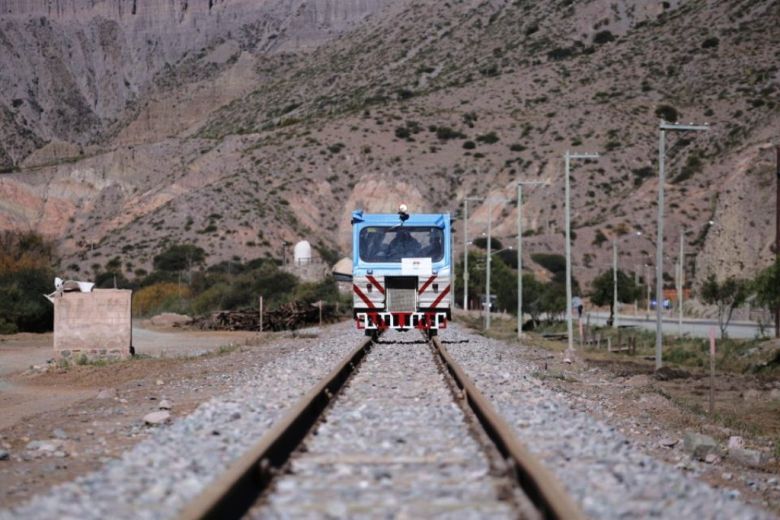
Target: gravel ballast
398, 404
394, 445
158, 476
602, 469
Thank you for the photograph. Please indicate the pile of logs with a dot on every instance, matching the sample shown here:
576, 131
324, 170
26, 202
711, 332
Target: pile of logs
289, 316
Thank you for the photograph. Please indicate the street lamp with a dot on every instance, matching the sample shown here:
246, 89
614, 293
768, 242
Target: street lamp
567, 160
659, 282
647, 286
520, 253
466, 250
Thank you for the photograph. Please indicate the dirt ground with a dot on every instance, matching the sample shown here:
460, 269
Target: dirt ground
87, 414
624, 391
23, 352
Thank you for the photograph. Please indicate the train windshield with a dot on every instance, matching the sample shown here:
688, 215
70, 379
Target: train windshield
391, 244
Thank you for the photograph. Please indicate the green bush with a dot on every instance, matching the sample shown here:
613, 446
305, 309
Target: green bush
710, 43
667, 113
554, 263
402, 132
445, 133
495, 244
681, 356
603, 37
211, 299
326, 290
179, 257
641, 174
561, 53
488, 138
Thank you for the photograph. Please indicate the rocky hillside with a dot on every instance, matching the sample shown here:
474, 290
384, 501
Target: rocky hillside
241, 127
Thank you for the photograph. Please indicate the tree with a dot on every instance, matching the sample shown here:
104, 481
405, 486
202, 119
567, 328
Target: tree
504, 285
111, 280
325, 290
766, 286
532, 296
503, 282
180, 257
602, 291
26, 274
495, 244
556, 264
553, 300
726, 295
667, 113
553, 262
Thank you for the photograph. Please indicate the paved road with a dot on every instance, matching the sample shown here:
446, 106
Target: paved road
693, 327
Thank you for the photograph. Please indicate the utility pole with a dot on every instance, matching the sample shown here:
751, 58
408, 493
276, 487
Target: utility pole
520, 254
487, 265
636, 284
777, 236
681, 282
647, 286
614, 284
519, 260
659, 252
466, 251
567, 161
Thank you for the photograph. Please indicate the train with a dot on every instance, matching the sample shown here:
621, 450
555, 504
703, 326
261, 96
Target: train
402, 271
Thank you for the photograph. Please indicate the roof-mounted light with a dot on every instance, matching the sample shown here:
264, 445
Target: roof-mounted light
402, 213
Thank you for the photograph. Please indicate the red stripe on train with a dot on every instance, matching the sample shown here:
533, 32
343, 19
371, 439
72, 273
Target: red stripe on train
363, 297
376, 284
441, 297
426, 284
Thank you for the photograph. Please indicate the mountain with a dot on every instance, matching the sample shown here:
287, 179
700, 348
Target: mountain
241, 125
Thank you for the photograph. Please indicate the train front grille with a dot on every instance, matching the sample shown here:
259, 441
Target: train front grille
401, 293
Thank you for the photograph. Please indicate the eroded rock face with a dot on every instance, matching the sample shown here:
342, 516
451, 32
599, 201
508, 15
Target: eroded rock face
138, 123
71, 69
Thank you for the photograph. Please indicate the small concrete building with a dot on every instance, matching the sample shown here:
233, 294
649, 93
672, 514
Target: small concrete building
96, 323
302, 253
305, 265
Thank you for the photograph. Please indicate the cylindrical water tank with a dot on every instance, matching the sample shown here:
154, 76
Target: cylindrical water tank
302, 252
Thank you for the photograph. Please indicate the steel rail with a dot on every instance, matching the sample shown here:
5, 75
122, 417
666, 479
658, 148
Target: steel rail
538, 484
237, 490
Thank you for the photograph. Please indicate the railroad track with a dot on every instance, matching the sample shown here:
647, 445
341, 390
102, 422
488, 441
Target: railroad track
391, 442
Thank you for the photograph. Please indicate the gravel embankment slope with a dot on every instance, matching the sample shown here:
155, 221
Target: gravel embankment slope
602, 469
162, 473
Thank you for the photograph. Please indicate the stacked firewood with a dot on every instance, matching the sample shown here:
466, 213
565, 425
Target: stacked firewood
289, 316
